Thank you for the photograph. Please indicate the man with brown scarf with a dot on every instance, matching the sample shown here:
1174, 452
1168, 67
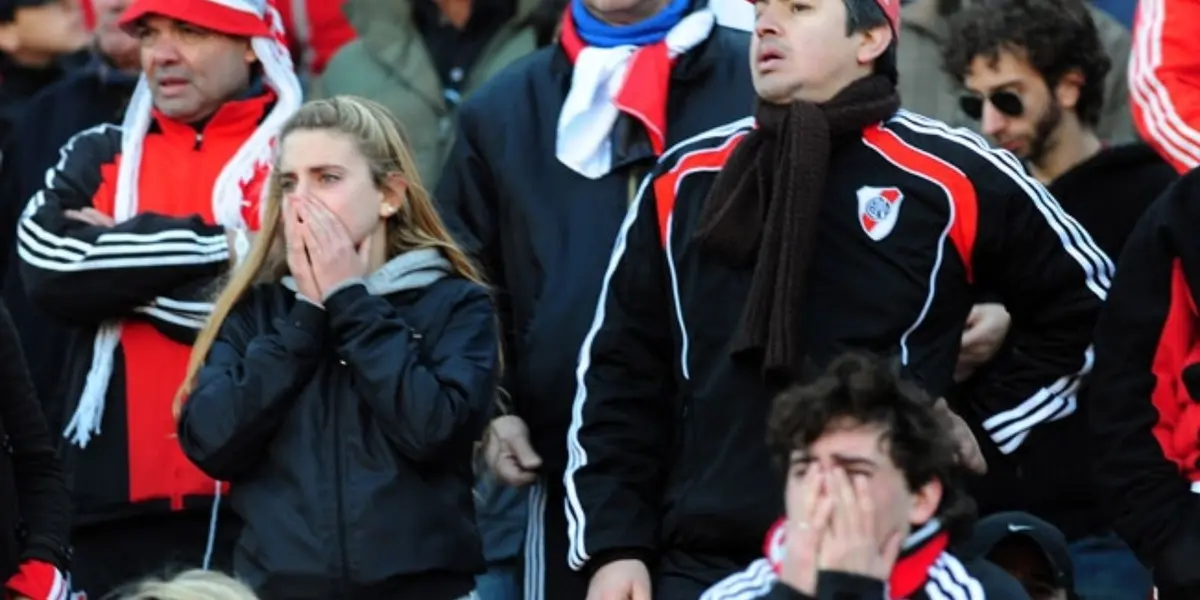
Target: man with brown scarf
756, 252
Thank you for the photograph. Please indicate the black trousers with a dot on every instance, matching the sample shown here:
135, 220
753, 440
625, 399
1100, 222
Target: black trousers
118, 553
547, 576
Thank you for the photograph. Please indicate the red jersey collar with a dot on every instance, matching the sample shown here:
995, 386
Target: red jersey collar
235, 118
920, 550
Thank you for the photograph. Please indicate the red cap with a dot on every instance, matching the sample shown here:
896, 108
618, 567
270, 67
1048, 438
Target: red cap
230, 17
891, 8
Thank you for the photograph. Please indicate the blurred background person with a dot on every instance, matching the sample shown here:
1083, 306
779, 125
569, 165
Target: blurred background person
94, 94
39, 41
1032, 551
194, 584
925, 90
421, 58
1163, 79
316, 29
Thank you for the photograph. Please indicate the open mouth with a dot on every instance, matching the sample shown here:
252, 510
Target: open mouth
768, 58
171, 85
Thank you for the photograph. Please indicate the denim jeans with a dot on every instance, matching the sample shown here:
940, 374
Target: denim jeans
499, 583
1106, 569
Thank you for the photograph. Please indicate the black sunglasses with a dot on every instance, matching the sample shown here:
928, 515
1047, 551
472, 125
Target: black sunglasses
1006, 102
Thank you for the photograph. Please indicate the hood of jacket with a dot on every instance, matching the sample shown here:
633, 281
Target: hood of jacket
413, 270
382, 23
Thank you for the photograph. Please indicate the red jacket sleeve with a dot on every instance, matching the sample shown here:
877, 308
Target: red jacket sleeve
1164, 79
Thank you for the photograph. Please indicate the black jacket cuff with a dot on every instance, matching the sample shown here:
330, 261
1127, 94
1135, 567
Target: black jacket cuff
304, 329
836, 585
643, 554
783, 591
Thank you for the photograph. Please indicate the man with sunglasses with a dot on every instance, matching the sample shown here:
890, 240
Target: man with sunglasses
1034, 76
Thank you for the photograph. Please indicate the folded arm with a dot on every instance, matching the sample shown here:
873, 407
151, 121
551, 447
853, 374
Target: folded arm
85, 273
1164, 79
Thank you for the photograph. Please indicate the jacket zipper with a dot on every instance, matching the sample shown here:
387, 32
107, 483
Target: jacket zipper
341, 513
199, 140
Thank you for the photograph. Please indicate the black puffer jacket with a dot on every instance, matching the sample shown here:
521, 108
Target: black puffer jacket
347, 433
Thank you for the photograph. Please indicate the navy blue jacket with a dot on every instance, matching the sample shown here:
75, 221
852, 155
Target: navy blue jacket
347, 434
542, 231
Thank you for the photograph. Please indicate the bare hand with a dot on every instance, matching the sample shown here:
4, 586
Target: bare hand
297, 255
90, 216
334, 257
986, 328
627, 579
804, 529
968, 446
508, 452
851, 543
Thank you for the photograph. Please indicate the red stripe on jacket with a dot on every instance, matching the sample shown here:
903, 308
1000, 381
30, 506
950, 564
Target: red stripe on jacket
1178, 426
958, 188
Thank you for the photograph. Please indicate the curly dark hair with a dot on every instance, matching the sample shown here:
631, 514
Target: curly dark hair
1056, 36
868, 390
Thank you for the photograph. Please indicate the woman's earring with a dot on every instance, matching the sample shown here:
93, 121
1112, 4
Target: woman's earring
389, 210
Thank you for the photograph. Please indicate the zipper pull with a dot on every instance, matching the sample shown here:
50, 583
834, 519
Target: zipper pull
199, 140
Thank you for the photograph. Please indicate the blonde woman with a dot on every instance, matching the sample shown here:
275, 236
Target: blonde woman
348, 367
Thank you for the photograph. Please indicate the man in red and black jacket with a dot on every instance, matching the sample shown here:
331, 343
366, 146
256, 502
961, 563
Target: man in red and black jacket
1145, 392
766, 247
126, 241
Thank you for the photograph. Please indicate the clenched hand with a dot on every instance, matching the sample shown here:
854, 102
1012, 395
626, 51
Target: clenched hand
986, 328
508, 452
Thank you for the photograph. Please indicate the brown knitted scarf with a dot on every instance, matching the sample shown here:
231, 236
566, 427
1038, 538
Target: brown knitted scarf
764, 207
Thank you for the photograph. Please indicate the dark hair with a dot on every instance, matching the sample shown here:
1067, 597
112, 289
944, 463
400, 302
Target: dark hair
545, 19
863, 15
867, 390
1055, 36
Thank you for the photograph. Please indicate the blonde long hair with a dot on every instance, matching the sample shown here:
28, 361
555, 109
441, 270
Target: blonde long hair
195, 584
416, 225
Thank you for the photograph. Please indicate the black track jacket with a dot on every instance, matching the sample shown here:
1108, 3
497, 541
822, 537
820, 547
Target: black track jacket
667, 443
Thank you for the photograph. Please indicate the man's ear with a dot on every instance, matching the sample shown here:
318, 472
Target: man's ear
875, 42
248, 54
1069, 88
10, 38
925, 502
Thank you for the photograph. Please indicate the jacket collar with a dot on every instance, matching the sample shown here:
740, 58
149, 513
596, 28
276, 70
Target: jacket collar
236, 118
